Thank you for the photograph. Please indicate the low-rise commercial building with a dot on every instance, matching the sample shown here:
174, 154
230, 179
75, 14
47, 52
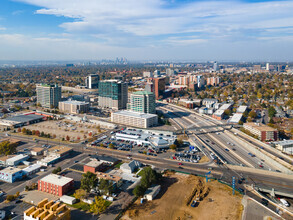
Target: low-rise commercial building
108, 160
47, 210
46, 161
74, 107
241, 109
135, 119
55, 184
93, 166
219, 114
22, 120
11, 174
37, 151
32, 169
284, 146
157, 140
236, 118
264, 132
13, 161
60, 151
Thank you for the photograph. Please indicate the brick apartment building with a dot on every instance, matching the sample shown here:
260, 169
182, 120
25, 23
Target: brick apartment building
55, 184
264, 132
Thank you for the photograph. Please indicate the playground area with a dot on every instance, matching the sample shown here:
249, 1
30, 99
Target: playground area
215, 201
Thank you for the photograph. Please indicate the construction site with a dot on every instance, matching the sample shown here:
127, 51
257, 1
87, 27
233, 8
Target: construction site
189, 197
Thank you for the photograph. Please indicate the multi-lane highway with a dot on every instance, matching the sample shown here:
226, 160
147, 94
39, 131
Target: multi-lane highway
226, 148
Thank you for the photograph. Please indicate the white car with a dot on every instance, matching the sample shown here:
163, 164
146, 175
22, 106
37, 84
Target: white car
284, 202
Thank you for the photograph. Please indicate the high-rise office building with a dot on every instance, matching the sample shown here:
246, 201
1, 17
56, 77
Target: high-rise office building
215, 66
267, 66
143, 101
160, 83
92, 81
113, 94
48, 96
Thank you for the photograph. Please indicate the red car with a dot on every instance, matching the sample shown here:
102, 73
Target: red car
180, 164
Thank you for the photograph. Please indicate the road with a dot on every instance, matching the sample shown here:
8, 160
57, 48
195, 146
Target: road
218, 140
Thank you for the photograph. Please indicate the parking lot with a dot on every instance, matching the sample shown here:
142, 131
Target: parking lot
184, 153
192, 156
64, 128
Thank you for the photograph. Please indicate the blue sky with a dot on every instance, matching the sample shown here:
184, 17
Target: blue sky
195, 30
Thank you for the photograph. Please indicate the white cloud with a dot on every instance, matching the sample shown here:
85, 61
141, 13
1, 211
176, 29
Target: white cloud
98, 28
157, 17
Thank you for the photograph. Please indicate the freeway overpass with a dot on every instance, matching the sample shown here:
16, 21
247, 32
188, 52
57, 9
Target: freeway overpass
227, 126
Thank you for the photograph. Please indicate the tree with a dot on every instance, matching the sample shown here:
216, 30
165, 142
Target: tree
37, 133
272, 111
99, 205
252, 114
80, 194
111, 146
173, 146
228, 112
88, 181
90, 134
67, 138
19, 130
106, 186
6, 148
23, 130
148, 177
139, 190
102, 145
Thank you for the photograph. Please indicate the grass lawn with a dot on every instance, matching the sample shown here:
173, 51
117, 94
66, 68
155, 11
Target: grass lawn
118, 165
81, 205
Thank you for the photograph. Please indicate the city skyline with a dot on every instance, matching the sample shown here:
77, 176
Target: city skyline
146, 30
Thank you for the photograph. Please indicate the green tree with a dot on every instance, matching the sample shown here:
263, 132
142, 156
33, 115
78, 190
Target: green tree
88, 181
272, 111
139, 190
106, 186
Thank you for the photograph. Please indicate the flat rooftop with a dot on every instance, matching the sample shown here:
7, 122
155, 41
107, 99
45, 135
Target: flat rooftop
32, 168
17, 157
284, 143
135, 114
10, 170
74, 102
260, 126
59, 149
108, 176
37, 149
94, 163
24, 118
56, 179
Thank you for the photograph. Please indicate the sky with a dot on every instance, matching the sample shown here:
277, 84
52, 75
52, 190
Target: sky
193, 30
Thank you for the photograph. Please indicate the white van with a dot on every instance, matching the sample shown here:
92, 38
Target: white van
284, 202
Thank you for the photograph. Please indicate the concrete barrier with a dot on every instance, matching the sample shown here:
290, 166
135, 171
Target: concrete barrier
260, 154
264, 145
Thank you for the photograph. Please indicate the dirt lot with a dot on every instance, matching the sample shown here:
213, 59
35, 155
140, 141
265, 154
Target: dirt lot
63, 128
217, 201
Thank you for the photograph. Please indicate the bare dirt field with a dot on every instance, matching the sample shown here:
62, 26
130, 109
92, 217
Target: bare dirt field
63, 128
216, 201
